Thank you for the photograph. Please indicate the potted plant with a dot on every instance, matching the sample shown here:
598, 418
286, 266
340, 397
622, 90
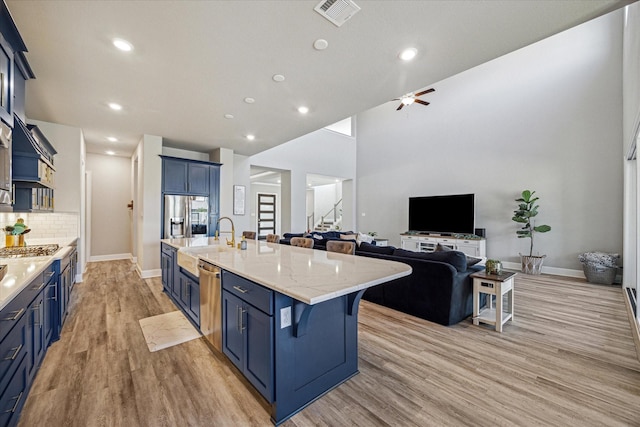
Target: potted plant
527, 210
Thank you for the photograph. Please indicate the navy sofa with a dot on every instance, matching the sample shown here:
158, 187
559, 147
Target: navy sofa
438, 289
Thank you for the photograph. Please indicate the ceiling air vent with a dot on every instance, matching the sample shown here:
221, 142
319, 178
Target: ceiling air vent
337, 11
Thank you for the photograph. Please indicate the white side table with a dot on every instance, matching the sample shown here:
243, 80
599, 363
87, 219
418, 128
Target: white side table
492, 284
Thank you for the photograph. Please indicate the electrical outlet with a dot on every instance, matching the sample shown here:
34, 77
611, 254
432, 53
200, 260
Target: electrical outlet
285, 317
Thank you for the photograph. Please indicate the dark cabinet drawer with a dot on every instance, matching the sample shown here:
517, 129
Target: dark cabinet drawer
256, 295
13, 312
12, 351
13, 398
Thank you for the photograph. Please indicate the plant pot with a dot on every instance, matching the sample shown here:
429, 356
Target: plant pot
532, 264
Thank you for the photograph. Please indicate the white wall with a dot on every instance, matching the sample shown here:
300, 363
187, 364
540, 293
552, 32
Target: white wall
321, 153
147, 204
631, 123
185, 154
110, 217
69, 193
545, 118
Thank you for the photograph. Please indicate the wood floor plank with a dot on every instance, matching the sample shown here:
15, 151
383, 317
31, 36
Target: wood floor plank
568, 359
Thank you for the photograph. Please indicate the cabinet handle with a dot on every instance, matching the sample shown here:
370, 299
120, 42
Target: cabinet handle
39, 287
39, 321
16, 315
2, 89
55, 296
15, 406
241, 290
239, 318
16, 350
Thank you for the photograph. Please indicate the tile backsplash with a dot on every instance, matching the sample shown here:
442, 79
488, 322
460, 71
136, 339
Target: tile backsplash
45, 225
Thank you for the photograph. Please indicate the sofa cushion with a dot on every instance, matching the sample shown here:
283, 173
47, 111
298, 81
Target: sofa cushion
471, 260
384, 250
457, 260
347, 236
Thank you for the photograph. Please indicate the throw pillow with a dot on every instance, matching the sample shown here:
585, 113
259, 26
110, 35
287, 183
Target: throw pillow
441, 248
471, 260
349, 237
383, 250
364, 238
456, 259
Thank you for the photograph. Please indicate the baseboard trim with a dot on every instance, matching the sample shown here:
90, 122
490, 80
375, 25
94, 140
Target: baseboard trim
548, 270
112, 257
633, 322
148, 274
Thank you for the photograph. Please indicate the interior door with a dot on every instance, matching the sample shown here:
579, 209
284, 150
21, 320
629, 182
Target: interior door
266, 215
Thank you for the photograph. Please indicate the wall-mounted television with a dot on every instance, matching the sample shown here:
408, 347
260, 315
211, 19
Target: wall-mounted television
452, 214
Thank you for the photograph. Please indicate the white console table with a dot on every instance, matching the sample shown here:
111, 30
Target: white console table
428, 243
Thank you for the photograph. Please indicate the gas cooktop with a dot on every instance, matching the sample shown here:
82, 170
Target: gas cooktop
28, 251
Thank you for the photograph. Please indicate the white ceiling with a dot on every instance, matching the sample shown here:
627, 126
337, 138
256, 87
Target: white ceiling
195, 61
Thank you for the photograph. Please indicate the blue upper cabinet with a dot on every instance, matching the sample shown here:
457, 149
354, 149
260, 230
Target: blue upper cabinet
6, 82
174, 176
190, 177
12, 61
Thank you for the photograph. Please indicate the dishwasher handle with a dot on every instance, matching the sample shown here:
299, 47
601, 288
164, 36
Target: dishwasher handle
208, 268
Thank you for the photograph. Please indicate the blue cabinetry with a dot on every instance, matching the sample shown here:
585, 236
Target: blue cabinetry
26, 328
182, 287
6, 81
247, 337
190, 296
167, 256
181, 176
193, 178
62, 280
11, 46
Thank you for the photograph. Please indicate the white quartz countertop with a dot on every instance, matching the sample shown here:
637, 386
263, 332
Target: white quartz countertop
307, 275
21, 271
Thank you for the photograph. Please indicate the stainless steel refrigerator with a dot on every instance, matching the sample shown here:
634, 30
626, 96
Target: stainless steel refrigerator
185, 216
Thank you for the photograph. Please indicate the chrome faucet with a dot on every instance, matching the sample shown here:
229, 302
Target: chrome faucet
231, 243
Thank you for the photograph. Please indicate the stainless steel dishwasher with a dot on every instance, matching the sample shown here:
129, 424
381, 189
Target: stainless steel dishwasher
210, 304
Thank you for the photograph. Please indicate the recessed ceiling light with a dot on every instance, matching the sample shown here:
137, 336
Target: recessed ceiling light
112, 139
228, 116
114, 106
303, 110
123, 45
249, 100
278, 181
278, 78
111, 153
251, 137
408, 54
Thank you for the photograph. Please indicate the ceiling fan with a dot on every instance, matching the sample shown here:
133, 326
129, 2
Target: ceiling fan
410, 98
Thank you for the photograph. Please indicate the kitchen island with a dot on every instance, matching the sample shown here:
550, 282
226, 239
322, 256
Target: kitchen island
289, 314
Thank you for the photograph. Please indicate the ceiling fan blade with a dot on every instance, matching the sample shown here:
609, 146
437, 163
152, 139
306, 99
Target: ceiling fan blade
420, 101
400, 107
425, 91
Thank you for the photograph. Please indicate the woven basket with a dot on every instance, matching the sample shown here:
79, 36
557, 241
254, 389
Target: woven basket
597, 273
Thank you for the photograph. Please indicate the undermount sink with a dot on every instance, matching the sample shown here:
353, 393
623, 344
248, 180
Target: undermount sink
188, 257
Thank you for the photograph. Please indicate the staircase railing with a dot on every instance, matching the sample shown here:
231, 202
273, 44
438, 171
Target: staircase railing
311, 223
334, 211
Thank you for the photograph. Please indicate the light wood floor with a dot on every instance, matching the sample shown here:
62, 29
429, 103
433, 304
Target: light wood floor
567, 360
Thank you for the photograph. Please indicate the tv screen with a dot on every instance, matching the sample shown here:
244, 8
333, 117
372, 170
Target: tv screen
454, 214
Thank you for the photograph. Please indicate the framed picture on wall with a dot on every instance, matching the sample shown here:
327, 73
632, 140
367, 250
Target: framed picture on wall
238, 199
